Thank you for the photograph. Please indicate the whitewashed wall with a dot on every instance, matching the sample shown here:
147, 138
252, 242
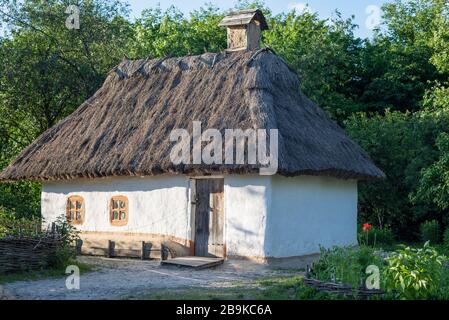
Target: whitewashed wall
156, 205
288, 217
307, 212
247, 201
264, 216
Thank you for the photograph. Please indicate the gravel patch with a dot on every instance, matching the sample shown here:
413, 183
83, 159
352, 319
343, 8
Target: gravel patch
116, 278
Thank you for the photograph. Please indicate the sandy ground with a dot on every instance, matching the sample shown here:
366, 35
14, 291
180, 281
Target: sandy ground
118, 278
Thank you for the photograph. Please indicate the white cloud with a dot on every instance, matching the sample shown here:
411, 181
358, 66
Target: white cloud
300, 7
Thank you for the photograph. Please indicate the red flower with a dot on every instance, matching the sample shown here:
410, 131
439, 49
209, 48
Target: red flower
367, 227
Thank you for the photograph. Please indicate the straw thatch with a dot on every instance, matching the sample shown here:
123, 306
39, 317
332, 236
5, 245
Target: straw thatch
124, 128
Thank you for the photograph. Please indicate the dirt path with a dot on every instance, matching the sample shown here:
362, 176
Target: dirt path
116, 278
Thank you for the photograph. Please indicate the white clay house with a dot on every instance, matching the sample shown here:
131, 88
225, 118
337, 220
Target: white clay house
107, 166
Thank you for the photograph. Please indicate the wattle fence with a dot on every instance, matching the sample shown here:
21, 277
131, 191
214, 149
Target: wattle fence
22, 254
342, 289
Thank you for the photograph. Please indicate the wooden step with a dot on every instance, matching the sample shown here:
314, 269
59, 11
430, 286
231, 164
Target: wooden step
194, 262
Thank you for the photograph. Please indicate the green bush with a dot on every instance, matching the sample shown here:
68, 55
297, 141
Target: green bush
414, 273
406, 273
446, 238
377, 237
430, 231
11, 226
401, 144
345, 265
304, 292
3, 218
23, 199
31, 228
66, 253
443, 288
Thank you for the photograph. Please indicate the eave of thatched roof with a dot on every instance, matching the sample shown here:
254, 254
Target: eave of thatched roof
124, 129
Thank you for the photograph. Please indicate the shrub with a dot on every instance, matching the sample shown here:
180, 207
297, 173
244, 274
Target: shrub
376, 237
67, 251
4, 217
430, 231
345, 265
307, 293
414, 273
385, 236
31, 228
446, 238
402, 145
10, 226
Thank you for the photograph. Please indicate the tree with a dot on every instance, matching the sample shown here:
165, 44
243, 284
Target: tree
324, 53
434, 183
402, 145
406, 68
47, 71
396, 64
170, 33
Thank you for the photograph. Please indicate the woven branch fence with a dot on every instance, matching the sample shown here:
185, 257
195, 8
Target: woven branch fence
22, 254
342, 289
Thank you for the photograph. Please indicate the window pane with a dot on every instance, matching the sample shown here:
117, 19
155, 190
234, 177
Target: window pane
122, 215
115, 215
122, 204
115, 205
78, 205
71, 216
78, 215
72, 205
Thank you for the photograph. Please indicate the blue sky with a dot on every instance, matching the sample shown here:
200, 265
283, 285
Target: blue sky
366, 11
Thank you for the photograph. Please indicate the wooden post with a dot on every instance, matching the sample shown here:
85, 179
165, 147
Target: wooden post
110, 248
143, 251
165, 252
79, 245
53, 229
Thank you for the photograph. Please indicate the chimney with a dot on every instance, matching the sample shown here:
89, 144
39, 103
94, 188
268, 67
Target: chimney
244, 29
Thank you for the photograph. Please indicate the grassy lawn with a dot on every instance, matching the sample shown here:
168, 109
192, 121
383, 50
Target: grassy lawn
42, 274
280, 288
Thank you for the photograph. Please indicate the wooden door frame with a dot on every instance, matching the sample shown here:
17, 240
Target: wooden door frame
192, 183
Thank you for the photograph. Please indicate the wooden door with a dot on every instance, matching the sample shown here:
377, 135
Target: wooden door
209, 217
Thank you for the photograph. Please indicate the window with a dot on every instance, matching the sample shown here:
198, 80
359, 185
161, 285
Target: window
75, 210
119, 211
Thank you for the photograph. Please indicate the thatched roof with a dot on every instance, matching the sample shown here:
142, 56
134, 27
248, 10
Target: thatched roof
124, 128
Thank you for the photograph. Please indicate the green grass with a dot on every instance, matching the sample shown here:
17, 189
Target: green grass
279, 288
42, 274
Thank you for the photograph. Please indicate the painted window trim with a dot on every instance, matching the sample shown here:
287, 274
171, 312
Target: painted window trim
118, 223
82, 211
